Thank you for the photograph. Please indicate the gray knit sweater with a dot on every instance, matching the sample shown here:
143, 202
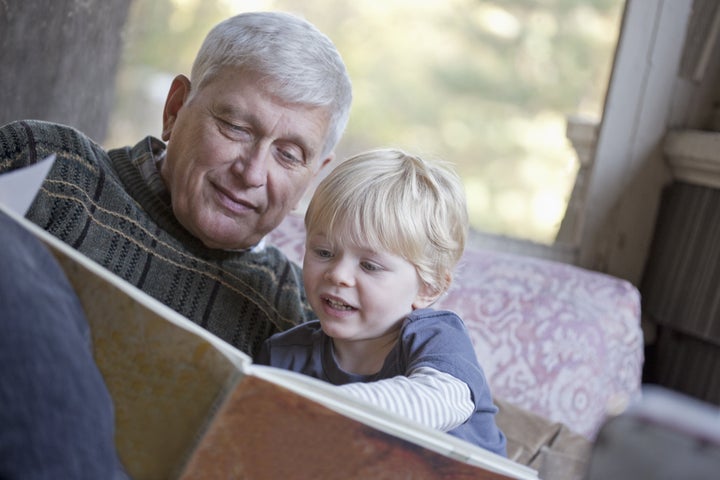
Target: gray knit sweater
113, 207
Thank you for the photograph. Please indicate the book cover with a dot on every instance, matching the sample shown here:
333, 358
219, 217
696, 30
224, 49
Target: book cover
188, 405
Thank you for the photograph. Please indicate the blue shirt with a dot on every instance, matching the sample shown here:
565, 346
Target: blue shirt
428, 338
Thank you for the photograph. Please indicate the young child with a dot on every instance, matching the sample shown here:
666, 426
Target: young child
384, 232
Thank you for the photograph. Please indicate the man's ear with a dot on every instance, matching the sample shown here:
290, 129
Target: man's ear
177, 95
324, 163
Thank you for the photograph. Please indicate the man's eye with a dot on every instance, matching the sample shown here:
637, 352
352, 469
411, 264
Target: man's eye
290, 157
234, 131
238, 130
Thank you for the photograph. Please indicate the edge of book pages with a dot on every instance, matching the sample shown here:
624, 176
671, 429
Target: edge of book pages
168, 376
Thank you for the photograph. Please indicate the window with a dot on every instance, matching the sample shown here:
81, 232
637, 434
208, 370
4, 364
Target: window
485, 85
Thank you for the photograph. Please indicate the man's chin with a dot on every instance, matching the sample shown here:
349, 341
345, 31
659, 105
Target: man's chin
222, 232
227, 238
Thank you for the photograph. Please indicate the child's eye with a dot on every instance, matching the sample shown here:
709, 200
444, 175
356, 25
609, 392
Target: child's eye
370, 266
322, 252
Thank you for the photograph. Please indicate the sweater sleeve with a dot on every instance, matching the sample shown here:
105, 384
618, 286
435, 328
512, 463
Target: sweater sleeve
428, 396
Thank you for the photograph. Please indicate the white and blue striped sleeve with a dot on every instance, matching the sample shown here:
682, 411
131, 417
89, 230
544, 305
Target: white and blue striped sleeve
428, 396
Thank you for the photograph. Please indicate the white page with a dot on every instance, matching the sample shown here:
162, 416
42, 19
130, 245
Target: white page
18, 188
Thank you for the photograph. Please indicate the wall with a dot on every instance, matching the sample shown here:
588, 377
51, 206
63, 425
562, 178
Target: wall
59, 60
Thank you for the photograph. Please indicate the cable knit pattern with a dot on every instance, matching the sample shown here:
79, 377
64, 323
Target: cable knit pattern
112, 207
554, 339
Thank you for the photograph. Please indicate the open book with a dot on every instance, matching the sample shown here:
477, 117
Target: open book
188, 405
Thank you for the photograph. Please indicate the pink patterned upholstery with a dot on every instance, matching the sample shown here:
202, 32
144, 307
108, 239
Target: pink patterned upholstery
557, 340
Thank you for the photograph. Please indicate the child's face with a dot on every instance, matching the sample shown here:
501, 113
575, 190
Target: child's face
359, 293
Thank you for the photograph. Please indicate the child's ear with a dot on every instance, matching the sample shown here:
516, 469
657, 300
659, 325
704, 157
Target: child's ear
428, 294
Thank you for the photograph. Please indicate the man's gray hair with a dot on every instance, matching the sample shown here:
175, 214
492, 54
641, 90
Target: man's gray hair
295, 61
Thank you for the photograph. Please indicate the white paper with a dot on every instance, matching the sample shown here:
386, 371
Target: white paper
18, 188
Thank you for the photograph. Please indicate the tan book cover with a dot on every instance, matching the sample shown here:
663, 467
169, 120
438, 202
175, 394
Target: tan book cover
188, 405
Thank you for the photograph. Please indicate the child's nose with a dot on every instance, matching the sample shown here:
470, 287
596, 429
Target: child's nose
340, 273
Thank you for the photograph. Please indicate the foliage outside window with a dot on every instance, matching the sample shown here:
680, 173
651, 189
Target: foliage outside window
485, 85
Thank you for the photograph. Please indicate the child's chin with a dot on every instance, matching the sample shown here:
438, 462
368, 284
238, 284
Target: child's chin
331, 330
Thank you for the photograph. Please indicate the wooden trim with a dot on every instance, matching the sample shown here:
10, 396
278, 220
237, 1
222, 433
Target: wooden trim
583, 134
628, 170
694, 156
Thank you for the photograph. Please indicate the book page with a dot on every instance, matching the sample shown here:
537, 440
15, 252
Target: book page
164, 378
164, 373
18, 188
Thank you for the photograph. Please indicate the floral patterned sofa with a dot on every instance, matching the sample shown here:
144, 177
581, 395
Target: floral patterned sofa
556, 340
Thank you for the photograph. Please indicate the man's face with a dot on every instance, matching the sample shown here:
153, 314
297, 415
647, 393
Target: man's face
238, 159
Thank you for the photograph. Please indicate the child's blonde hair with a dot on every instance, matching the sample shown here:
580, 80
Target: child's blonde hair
399, 203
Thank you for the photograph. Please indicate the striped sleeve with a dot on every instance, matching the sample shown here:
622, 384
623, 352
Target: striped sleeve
428, 396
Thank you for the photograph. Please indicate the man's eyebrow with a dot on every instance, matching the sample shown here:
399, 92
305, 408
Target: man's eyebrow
226, 109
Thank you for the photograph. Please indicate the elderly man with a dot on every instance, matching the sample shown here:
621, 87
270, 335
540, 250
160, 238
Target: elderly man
267, 100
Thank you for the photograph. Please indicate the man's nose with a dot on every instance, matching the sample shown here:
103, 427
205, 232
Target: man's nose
252, 166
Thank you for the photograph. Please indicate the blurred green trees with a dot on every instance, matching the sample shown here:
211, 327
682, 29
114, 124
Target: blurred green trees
484, 84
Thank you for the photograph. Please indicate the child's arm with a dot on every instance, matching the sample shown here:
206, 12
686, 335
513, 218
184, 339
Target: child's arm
428, 396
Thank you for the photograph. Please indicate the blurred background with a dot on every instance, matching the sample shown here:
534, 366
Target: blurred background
486, 85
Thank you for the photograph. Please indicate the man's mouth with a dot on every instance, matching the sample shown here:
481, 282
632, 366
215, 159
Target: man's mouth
232, 202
